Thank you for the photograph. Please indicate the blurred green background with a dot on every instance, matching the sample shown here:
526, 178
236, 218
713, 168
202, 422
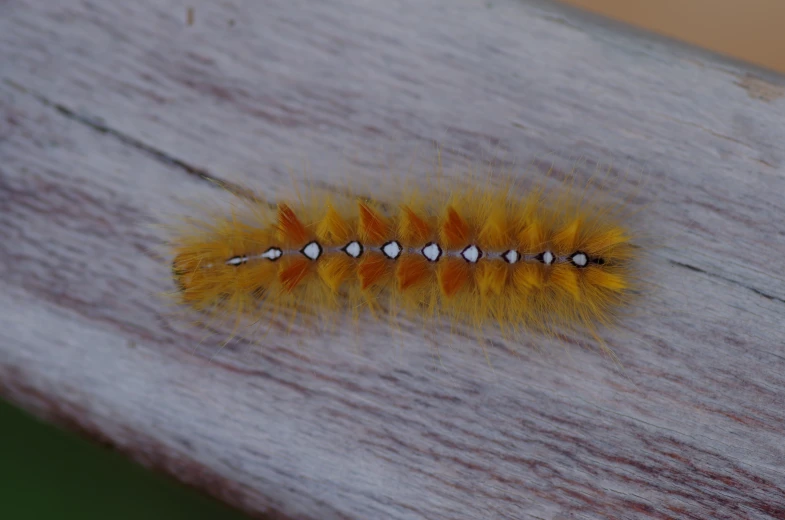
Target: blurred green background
46, 473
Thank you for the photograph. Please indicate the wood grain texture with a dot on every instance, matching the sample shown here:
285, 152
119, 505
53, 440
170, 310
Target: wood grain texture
113, 113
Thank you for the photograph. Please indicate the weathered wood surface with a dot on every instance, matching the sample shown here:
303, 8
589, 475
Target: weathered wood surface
113, 113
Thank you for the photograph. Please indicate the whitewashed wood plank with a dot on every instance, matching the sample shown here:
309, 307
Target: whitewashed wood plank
112, 111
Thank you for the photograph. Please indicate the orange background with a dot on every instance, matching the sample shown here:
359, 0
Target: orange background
751, 30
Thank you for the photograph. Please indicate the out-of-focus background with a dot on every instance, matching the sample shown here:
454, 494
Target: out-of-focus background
45, 473
750, 30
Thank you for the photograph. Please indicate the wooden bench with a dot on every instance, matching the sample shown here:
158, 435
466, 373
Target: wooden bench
113, 114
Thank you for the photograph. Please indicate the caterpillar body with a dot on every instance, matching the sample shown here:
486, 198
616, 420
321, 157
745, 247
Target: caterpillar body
484, 256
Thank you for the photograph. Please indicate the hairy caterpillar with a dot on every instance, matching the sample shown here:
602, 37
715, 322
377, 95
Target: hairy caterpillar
540, 261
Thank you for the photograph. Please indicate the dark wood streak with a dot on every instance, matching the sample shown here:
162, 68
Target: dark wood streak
116, 114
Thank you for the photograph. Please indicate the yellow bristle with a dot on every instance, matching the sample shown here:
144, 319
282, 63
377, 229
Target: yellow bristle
491, 277
602, 279
333, 228
495, 233
565, 241
531, 239
335, 270
564, 278
527, 277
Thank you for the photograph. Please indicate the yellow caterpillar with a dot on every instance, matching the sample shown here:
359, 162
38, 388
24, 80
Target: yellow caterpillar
486, 256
